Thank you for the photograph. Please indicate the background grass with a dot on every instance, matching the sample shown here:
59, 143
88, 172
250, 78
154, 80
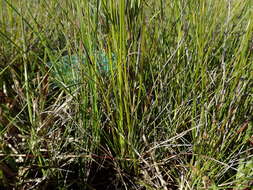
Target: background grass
174, 111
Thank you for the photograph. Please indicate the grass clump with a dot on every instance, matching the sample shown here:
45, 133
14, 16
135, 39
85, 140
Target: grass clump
126, 94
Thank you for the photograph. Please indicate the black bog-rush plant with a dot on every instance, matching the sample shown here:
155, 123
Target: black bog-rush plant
126, 94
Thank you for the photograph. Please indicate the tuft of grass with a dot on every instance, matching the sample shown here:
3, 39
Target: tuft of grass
171, 109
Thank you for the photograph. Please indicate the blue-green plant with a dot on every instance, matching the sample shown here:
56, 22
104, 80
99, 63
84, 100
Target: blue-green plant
66, 70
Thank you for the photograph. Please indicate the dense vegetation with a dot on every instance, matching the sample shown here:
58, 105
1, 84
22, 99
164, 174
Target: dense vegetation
172, 110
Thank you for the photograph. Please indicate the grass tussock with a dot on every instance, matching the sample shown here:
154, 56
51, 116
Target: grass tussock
126, 94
